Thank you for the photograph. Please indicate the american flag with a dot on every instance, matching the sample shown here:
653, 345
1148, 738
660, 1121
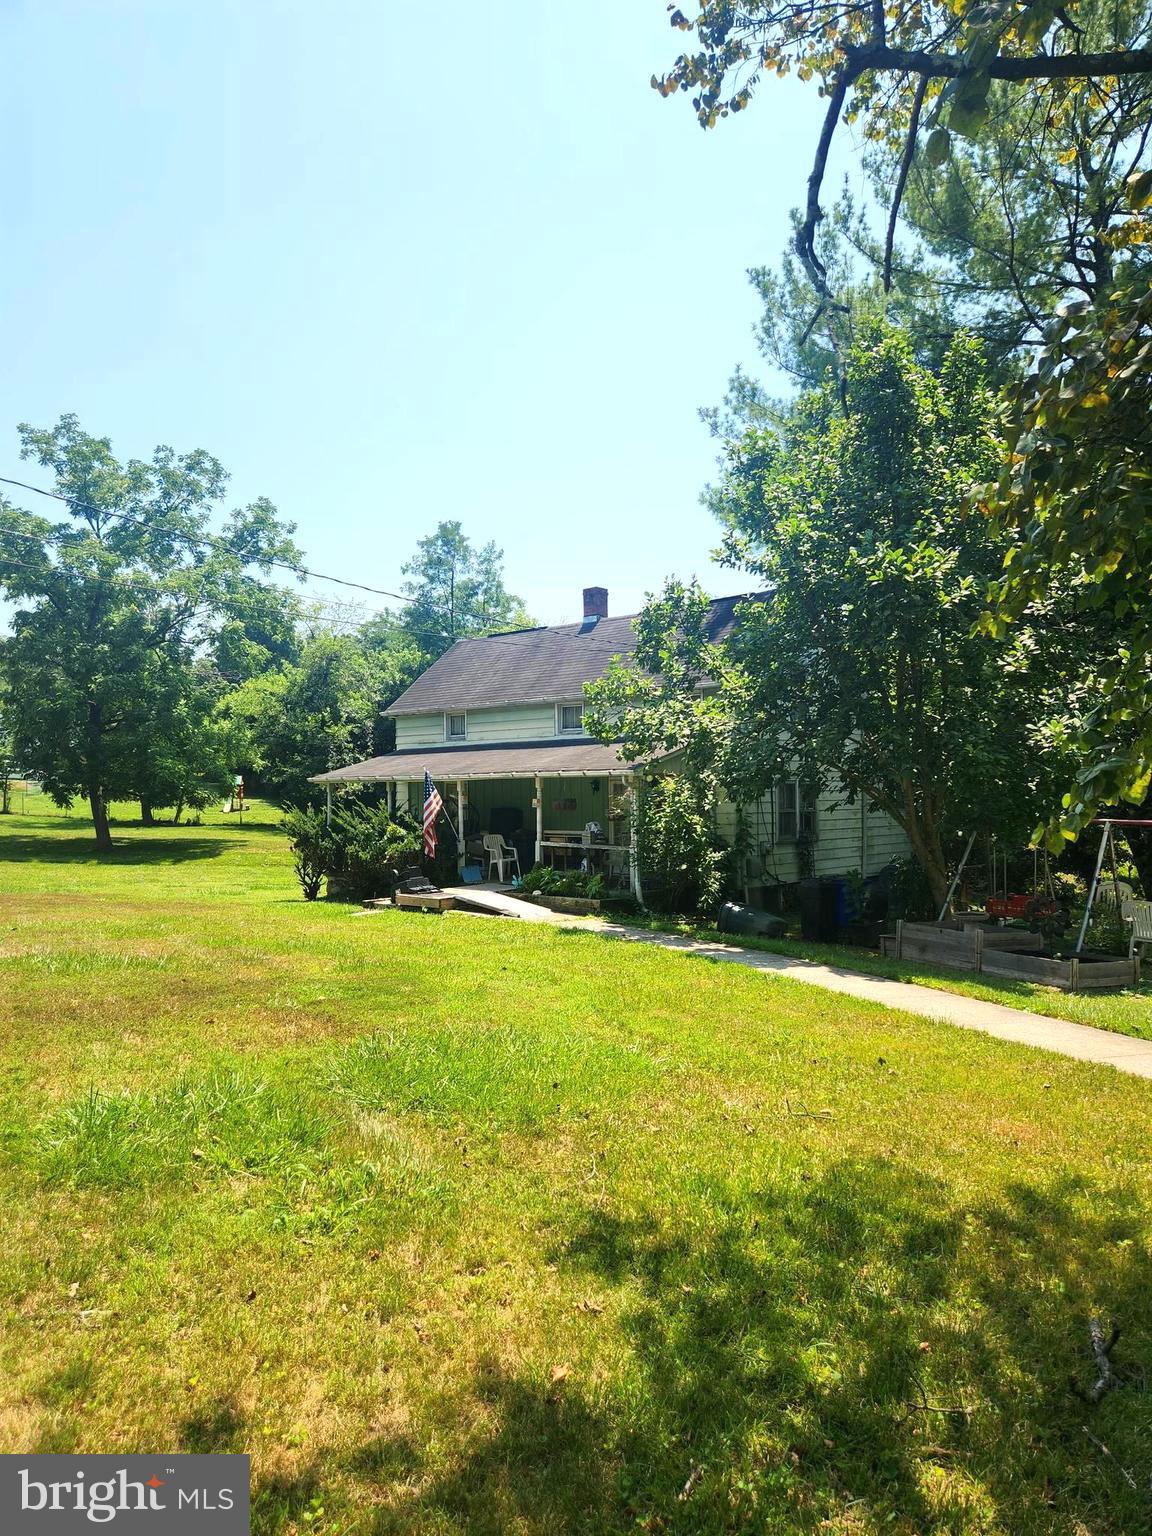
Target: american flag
433, 805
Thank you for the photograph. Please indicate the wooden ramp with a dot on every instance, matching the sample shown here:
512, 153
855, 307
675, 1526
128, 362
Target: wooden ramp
478, 898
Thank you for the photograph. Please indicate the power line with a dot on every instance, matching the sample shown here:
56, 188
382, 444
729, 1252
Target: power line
208, 539
297, 570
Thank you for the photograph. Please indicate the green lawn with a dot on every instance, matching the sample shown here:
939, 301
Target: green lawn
463, 1225
1127, 1013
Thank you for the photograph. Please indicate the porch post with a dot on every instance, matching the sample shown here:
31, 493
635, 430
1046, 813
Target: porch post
327, 805
539, 819
633, 860
460, 825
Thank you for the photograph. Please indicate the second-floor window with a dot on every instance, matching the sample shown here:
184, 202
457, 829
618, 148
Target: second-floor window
456, 727
570, 718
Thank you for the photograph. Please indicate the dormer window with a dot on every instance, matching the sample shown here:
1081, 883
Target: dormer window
570, 719
456, 727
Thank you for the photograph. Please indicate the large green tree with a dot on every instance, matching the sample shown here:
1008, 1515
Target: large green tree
119, 607
858, 670
318, 712
323, 705
456, 590
1011, 145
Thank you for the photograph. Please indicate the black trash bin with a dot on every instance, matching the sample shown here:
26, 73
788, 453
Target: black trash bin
819, 899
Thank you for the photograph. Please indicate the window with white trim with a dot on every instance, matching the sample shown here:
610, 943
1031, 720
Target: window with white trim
455, 727
569, 719
795, 811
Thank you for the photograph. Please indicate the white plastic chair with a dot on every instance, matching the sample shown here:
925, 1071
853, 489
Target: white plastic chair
1113, 893
499, 854
1138, 916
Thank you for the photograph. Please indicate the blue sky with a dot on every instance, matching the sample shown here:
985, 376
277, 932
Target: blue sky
392, 271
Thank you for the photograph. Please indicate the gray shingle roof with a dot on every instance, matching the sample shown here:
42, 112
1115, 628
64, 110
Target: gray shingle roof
484, 761
532, 666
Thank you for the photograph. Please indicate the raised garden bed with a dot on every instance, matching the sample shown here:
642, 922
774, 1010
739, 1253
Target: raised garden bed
577, 906
1080, 973
1011, 953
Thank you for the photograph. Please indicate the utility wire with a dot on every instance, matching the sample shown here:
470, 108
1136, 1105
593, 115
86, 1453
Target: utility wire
208, 539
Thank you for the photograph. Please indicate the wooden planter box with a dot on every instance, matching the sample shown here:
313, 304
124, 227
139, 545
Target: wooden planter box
577, 906
425, 901
1075, 975
1009, 953
946, 944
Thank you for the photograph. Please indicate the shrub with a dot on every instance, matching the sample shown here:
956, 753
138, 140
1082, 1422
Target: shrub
543, 881
1107, 931
308, 838
369, 848
682, 858
363, 850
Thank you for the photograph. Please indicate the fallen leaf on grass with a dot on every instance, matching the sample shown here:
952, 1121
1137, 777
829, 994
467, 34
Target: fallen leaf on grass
560, 1373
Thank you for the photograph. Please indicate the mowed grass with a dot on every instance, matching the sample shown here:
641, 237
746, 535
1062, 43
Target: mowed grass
457, 1224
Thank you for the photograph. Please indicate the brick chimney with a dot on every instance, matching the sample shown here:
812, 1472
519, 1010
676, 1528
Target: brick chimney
595, 603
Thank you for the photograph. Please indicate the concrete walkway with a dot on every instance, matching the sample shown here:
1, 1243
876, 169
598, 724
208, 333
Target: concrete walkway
1078, 1040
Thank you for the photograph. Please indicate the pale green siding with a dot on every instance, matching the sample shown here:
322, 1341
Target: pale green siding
848, 837
510, 722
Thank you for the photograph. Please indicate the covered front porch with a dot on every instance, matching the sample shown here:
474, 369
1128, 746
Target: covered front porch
564, 804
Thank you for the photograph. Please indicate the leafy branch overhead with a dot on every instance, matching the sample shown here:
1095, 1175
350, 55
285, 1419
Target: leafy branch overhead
1076, 490
901, 70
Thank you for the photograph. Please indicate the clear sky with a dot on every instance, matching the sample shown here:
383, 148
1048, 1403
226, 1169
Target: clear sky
393, 263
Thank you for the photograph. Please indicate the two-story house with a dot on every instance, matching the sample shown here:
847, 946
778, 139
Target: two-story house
498, 722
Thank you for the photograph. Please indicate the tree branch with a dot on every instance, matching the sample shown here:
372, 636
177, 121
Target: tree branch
813, 213
902, 179
1042, 66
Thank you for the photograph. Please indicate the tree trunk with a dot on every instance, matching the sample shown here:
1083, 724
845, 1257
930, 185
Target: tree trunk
5, 796
179, 811
931, 861
927, 852
146, 817
96, 796
100, 818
